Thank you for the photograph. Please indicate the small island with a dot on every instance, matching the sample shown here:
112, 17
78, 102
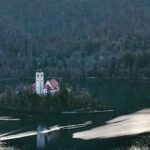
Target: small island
48, 98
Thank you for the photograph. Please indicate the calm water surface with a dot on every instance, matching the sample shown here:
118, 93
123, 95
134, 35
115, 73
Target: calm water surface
124, 97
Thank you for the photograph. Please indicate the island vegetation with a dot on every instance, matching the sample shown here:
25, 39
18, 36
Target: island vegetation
65, 100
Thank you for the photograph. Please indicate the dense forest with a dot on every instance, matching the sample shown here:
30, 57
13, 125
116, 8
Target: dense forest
75, 38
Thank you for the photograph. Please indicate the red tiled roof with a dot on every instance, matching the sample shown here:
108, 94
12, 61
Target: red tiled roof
53, 83
46, 86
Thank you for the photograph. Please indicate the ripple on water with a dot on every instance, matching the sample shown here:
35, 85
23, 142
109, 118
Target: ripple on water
7, 147
8, 118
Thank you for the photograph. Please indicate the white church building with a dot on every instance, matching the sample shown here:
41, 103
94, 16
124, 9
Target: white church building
51, 86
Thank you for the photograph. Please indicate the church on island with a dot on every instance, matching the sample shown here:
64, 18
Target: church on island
39, 87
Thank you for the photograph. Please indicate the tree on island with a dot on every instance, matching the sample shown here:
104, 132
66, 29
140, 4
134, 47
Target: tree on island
67, 99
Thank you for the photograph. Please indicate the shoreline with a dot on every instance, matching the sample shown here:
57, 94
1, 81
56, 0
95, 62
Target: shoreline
74, 112
88, 77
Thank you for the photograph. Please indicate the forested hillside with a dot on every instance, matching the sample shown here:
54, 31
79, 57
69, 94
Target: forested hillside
75, 38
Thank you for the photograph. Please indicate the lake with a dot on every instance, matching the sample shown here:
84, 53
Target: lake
130, 102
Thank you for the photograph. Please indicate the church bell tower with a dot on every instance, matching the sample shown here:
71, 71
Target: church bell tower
39, 82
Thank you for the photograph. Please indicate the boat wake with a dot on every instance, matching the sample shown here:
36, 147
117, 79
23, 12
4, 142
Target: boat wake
8, 118
44, 131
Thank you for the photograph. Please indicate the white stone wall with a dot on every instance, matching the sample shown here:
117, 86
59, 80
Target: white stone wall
39, 82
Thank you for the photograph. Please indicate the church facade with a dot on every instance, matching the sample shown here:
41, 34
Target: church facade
51, 86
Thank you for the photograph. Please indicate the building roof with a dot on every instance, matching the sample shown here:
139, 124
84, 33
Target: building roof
46, 86
53, 83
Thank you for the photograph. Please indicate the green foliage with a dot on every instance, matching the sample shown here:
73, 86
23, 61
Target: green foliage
66, 100
68, 38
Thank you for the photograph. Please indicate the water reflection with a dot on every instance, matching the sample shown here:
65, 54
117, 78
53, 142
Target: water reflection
131, 124
52, 137
4, 147
40, 138
8, 118
44, 138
